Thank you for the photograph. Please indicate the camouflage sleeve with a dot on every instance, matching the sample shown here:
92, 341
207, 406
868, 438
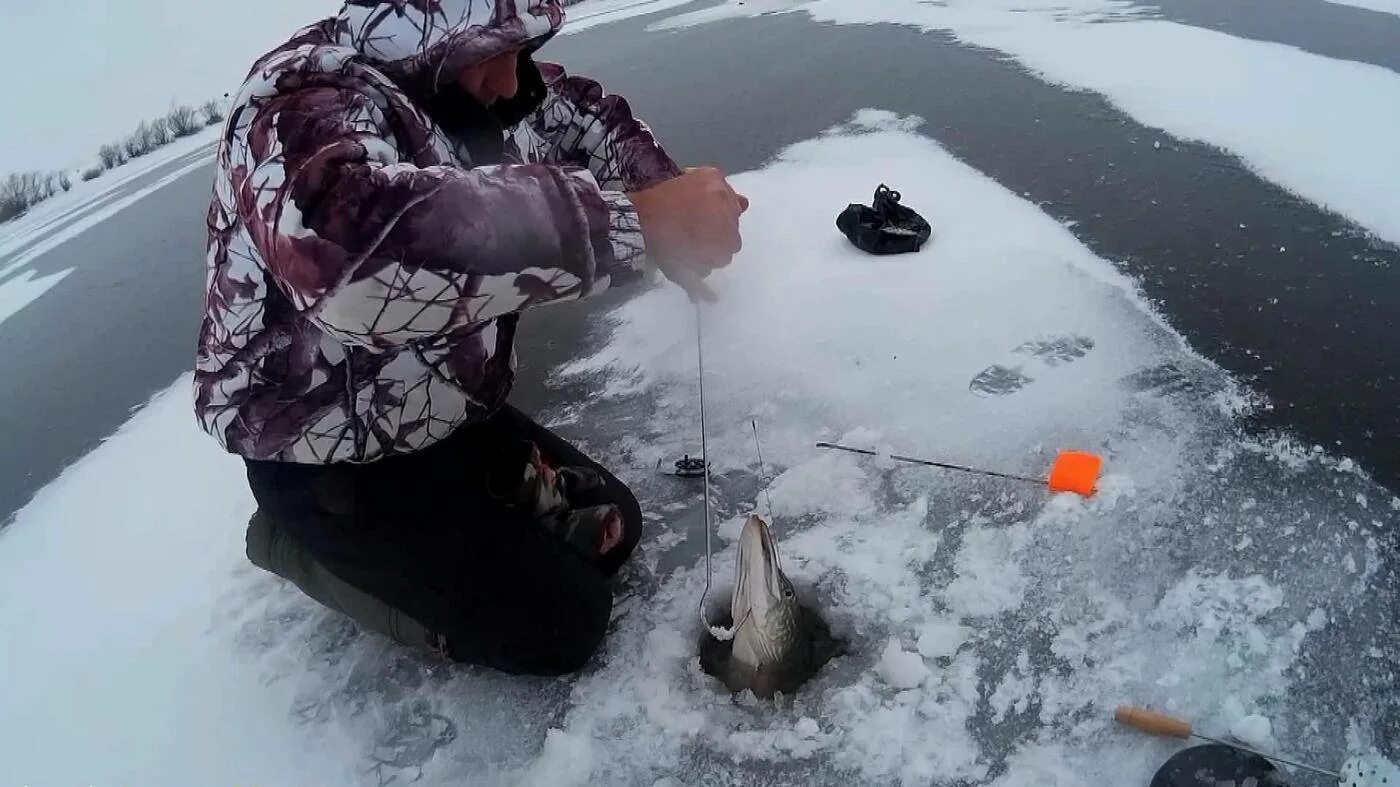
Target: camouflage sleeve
380, 252
579, 125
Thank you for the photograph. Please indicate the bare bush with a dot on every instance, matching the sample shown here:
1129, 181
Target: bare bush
21, 190
8, 209
12, 202
38, 185
182, 121
148, 136
151, 134
31, 185
111, 156
160, 133
136, 144
213, 112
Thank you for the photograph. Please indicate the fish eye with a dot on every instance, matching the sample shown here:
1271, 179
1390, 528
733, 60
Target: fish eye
788, 592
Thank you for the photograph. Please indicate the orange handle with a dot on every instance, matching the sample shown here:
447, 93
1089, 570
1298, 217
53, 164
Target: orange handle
1075, 471
1152, 722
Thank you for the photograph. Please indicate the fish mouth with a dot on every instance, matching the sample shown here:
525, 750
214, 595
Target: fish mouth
759, 584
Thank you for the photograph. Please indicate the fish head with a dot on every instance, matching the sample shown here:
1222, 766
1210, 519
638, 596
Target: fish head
764, 606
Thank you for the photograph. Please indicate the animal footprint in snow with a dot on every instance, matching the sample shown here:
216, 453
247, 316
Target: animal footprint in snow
1001, 379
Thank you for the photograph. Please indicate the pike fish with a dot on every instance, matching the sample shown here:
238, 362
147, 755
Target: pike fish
779, 643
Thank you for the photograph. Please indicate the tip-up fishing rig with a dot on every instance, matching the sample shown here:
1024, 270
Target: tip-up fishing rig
1072, 471
1155, 723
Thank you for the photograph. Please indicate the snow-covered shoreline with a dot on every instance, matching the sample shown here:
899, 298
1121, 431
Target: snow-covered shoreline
88, 196
1320, 127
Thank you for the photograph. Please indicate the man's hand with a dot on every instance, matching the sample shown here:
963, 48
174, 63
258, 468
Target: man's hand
691, 226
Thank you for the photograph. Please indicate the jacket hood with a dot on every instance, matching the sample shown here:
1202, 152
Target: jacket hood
420, 43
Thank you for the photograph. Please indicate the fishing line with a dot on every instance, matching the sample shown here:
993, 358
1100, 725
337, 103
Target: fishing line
762, 473
930, 463
719, 632
767, 495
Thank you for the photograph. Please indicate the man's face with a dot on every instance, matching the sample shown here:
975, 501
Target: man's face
491, 80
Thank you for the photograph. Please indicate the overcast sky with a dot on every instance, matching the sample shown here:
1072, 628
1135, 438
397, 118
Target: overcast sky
84, 72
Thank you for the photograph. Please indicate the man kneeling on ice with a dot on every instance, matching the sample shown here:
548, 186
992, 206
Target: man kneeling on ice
395, 186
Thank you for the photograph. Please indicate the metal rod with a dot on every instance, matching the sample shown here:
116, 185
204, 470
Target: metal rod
1273, 757
763, 473
705, 458
930, 463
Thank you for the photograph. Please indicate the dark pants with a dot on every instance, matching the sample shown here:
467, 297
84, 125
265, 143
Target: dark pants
419, 537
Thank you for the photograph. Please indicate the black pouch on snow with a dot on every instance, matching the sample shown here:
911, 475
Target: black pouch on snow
886, 228
1214, 764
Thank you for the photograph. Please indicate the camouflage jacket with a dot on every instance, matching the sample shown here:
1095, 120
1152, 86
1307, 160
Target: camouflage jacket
364, 275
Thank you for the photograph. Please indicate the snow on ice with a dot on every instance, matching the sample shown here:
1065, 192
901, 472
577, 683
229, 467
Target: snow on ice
62, 217
988, 629
65, 216
1254, 730
1071, 606
591, 13
20, 290
1227, 93
900, 668
1369, 770
942, 638
1384, 6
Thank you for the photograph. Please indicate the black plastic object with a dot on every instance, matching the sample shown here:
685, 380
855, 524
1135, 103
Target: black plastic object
690, 467
1214, 765
886, 228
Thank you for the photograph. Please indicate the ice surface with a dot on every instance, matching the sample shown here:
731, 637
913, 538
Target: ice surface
1136, 595
901, 668
1254, 730
1369, 770
1228, 93
1386, 6
139, 647
731, 9
20, 290
941, 638
591, 13
1015, 692
565, 761
115, 666
730, 529
63, 216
